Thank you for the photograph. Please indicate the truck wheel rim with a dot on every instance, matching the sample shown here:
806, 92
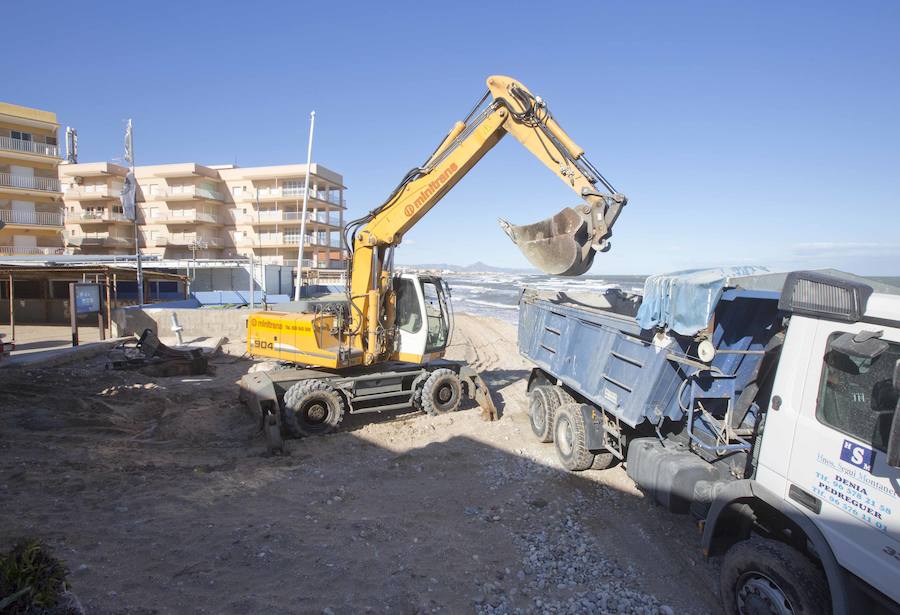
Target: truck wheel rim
760, 595
564, 436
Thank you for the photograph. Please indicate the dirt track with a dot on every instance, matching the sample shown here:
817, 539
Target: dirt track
158, 495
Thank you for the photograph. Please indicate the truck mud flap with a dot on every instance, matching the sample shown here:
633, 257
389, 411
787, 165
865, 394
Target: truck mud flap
479, 391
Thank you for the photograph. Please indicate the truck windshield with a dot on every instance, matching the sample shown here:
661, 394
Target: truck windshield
857, 397
436, 315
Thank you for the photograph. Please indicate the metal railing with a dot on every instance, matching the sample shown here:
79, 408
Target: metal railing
29, 147
168, 218
293, 193
27, 182
101, 216
191, 192
33, 218
94, 192
30, 251
187, 240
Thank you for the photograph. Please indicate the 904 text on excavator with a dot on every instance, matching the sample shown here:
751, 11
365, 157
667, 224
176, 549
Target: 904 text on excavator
380, 345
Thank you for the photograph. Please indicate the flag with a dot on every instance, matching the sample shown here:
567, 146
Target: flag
128, 196
129, 151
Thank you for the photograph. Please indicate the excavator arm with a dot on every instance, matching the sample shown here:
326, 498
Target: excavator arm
564, 244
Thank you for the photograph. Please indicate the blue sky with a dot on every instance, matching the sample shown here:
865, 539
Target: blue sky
763, 133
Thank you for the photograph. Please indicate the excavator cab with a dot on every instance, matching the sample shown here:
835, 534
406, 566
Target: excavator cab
422, 316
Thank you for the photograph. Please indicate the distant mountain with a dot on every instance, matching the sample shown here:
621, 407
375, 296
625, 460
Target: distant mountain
477, 267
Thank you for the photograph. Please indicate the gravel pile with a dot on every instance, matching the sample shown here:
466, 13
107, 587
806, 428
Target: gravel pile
563, 570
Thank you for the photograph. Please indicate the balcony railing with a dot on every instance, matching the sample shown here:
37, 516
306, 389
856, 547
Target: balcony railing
87, 193
31, 251
32, 218
269, 216
187, 218
99, 216
29, 147
189, 240
293, 193
187, 192
27, 182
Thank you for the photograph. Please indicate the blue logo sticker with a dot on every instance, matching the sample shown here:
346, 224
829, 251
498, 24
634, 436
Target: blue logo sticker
857, 455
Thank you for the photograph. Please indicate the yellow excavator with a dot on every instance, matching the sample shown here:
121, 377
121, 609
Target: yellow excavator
380, 346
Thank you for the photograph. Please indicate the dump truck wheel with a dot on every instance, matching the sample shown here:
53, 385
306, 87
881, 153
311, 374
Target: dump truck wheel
442, 392
417, 386
767, 576
312, 408
570, 438
542, 404
603, 461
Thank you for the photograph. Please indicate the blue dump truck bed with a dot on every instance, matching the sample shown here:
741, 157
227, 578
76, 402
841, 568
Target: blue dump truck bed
594, 345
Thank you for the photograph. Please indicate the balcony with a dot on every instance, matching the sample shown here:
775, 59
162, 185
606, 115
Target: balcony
31, 218
272, 194
99, 240
93, 193
26, 182
31, 251
28, 147
95, 217
185, 193
188, 217
188, 240
280, 216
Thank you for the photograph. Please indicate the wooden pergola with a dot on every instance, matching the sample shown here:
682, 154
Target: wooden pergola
107, 275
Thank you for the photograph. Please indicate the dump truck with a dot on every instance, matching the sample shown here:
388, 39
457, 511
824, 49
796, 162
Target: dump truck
764, 405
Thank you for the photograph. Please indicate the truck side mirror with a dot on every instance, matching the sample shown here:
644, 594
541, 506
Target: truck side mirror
893, 447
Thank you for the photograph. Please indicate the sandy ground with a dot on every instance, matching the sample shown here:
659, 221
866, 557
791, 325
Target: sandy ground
159, 496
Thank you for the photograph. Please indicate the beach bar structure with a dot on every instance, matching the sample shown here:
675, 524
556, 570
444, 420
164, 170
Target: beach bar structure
33, 294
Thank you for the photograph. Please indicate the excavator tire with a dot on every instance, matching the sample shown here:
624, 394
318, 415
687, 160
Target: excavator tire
312, 408
542, 404
442, 392
417, 386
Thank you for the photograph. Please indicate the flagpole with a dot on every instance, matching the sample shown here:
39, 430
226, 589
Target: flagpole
129, 156
312, 125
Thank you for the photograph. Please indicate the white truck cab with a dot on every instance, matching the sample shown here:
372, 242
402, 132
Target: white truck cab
825, 448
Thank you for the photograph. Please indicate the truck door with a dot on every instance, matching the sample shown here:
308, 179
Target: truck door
837, 473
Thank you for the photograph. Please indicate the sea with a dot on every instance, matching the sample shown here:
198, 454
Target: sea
497, 294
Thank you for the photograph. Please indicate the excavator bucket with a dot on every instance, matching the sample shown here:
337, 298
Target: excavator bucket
559, 245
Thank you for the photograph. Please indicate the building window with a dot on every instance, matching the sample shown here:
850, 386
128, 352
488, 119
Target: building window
21, 136
51, 140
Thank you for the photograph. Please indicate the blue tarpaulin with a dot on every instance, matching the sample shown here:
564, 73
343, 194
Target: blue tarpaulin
684, 301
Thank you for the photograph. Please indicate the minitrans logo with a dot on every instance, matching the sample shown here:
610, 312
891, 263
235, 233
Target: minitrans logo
857, 455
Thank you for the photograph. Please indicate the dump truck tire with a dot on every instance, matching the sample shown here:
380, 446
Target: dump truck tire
442, 392
542, 404
603, 461
761, 576
312, 408
570, 438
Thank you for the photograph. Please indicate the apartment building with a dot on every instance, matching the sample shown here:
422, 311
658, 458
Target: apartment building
189, 210
30, 197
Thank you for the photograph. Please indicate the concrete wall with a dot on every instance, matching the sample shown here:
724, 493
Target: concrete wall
231, 323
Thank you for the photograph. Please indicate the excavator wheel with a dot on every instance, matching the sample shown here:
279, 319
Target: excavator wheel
442, 392
312, 408
417, 386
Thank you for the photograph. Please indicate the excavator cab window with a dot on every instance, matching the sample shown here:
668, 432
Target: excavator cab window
409, 316
437, 315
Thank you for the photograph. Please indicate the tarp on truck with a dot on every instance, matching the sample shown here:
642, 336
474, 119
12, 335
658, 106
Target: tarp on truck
684, 301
